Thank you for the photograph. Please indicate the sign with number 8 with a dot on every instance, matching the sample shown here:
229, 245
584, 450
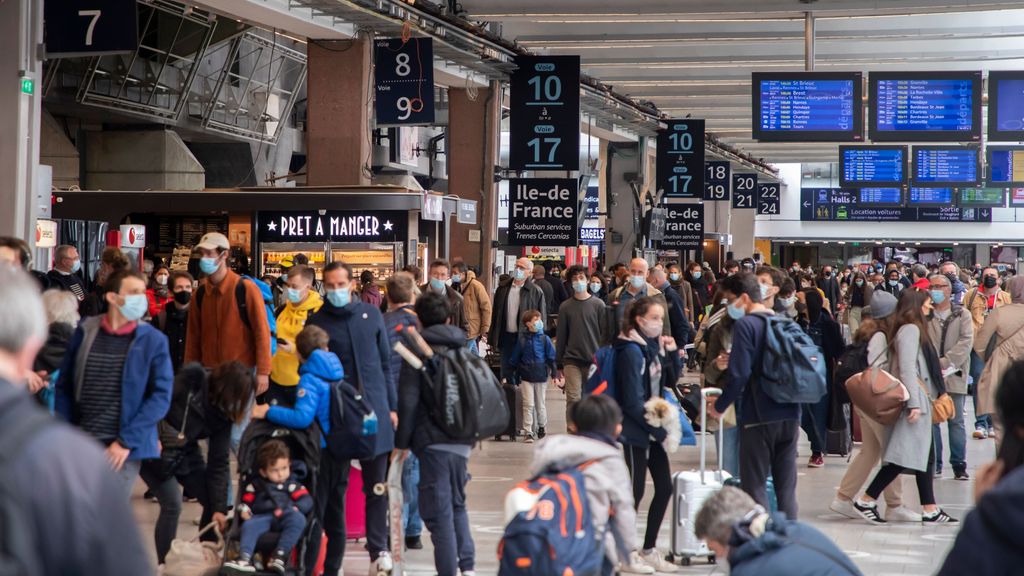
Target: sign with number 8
404, 78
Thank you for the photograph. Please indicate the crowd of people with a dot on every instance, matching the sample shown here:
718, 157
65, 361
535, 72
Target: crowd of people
148, 368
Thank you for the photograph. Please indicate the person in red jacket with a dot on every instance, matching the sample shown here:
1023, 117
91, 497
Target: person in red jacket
158, 294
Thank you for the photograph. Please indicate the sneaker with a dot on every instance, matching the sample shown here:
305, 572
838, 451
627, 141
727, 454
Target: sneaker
528, 439
991, 432
961, 474
655, 560
938, 472
844, 507
636, 565
980, 432
816, 461
901, 514
276, 565
868, 512
413, 543
938, 517
541, 433
469, 573
382, 565
239, 566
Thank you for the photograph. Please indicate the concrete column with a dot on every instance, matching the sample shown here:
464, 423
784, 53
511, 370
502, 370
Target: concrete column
338, 89
472, 146
623, 166
742, 230
21, 34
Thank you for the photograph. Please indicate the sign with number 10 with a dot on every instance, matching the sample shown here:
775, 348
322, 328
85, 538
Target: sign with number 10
544, 130
404, 74
680, 159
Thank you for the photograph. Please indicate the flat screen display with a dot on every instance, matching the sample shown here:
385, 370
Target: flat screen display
872, 166
1005, 165
991, 197
888, 196
1016, 197
930, 197
1006, 106
946, 166
925, 106
807, 107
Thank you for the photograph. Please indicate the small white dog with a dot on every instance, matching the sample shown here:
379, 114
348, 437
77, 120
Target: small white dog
660, 413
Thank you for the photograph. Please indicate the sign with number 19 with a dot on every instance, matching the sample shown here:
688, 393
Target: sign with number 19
404, 78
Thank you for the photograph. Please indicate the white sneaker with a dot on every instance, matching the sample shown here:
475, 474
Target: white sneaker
902, 514
382, 565
636, 565
655, 560
844, 507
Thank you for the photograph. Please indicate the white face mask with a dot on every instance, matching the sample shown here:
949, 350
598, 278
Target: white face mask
650, 328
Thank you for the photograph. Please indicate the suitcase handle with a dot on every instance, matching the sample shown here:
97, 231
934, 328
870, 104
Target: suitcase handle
705, 394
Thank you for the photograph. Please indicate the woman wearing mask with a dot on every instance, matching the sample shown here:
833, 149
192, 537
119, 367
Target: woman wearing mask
909, 448
159, 293
596, 286
859, 296
645, 363
825, 332
699, 285
112, 260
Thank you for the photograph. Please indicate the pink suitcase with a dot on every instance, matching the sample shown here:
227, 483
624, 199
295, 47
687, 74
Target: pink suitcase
355, 506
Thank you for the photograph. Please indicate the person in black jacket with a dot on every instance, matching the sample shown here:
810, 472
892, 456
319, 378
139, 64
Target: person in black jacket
510, 301
825, 332
699, 282
173, 319
443, 460
65, 274
682, 330
201, 408
830, 286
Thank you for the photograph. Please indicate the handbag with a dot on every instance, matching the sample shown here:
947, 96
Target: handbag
942, 407
879, 395
192, 557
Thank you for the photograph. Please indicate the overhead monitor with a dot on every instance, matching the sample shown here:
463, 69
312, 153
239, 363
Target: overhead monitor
1017, 197
881, 196
930, 197
807, 106
946, 166
1006, 106
991, 197
874, 166
1005, 165
925, 106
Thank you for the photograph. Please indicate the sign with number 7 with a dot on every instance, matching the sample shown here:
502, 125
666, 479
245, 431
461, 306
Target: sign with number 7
90, 27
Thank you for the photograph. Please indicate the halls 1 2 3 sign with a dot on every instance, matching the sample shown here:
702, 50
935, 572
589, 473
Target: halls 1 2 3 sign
333, 226
684, 227
681, 159
404, 78
542, 211
544, 130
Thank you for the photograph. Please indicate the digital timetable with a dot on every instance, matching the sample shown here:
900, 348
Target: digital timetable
925, 106
809, 106
872, 165
946, 166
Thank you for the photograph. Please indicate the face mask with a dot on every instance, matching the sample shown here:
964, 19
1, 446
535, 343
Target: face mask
437, 285
637, 281
161, 280
938, 296
208, 265
765, 289
76, 266
674, 277
580, 286
989, 282
294, 296
457, 278
519, 274
135, 306
650, 329
828, 274
538, 325
696, 275
735, 312
951, 277
339, 298
595, 287
183, 297
858, 282
788, 302
894, 282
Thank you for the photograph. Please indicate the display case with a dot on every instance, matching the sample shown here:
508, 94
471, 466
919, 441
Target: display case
382, 258
271, 254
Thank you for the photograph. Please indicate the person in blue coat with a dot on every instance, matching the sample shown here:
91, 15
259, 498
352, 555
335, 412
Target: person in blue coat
756, 543
359, 339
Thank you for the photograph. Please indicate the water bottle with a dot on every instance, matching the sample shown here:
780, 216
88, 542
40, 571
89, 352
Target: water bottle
370, 424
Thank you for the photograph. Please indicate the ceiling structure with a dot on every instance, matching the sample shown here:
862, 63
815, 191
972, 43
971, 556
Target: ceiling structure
696, 56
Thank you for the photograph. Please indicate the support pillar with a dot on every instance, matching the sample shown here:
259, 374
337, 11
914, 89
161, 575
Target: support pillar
623, 222
21, 23
338, 87
472, 148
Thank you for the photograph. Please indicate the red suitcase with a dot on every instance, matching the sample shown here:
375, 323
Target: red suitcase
355, 506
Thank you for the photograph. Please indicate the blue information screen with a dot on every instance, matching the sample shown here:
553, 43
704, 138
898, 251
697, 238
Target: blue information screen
1005, 165
930, 196
945, 165
870, 165
881, 195
1010, 110
807, 105
925, 105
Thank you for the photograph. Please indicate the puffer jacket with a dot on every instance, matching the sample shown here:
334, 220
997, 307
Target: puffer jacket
786, 547
534, 357
262, 496
476, 305
313, 400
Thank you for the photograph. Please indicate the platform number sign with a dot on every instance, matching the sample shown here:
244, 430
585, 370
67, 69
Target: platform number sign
544, 130
716, 180
680, 159
769, 199
404, 79
744, 189
90, 27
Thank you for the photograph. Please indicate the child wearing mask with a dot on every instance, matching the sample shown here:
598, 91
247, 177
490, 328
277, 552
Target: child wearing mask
534, 362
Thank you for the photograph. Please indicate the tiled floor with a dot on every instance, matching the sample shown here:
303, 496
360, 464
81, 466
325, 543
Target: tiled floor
878, 550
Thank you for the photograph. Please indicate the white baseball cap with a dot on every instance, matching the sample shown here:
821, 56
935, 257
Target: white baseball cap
213, 241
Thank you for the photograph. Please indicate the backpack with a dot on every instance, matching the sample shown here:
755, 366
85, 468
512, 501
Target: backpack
854, 360
268, 303
601, 379
466, 399
792, 366
555, 536
353, 434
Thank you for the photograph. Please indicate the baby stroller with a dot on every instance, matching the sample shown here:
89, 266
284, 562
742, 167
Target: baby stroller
304, 446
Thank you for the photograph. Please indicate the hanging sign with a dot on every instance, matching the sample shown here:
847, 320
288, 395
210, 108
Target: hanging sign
544, 132
716, 180
680, 159
467, 212
684, 227
404, 78
333, 226
769, 198
744, 188
542, 211
89, 27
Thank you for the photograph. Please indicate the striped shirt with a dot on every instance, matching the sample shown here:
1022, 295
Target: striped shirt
100, 405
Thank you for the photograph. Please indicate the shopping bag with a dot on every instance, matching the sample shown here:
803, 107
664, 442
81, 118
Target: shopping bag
192, 557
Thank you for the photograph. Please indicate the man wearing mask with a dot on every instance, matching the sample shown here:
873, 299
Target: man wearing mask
540, 280
558, 292
439, 283
891, 284
731, 267
510, 301
476, 303
173, 319
66, 264
580, 322
980, 301
829, 286
699, 285
301, 303
951, 271
682, 287
115, 383
636, 287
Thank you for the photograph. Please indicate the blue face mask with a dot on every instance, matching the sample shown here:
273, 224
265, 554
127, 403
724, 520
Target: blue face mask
735, 312
894, 282
339, 298
457, 278
437, 285
134, 308
538, 325
208, 265
595, 287
76, 266
764, 291
637, 281
938, 296
674, 276
519, 274
579, 286
696, 275
294, 296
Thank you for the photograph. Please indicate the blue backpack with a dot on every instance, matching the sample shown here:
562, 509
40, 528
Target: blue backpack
556, 536
792, 366
601, 379
268, 303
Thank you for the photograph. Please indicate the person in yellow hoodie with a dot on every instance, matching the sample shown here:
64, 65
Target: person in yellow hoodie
301, 302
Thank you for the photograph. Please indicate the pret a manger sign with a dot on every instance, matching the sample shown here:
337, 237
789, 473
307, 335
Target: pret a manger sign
332, 226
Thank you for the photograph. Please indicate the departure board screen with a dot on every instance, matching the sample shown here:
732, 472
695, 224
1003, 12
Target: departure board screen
1006, 106
946, 165
925, 106
892, 196
991, 197
1005, 165
930, 196
872, 166
809, 107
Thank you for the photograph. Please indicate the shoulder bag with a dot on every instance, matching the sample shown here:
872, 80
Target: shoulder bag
879, 395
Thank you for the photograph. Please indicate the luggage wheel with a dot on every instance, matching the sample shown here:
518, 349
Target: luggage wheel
685, 560
711, 559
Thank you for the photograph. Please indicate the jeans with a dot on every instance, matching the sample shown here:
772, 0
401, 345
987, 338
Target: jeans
167, 490
507, 345
730, 450
977, 366
443, 478
814, 421
236, 440
652, 457
534, 401
770, 450
127, 476
574, 378
290, 525
411, 496
957, 436
889, 472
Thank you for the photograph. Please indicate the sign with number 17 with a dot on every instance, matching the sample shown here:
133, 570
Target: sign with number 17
404, 78
680, 159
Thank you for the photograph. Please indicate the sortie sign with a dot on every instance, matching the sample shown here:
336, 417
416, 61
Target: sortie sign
542, 211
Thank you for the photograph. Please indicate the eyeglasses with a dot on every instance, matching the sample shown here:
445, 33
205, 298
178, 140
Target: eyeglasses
937, 286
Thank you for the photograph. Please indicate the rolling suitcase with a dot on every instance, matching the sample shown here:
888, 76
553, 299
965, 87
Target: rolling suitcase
690, 490
514, 400
355, 505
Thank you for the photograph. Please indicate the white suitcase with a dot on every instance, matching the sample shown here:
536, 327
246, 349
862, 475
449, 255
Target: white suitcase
689, 492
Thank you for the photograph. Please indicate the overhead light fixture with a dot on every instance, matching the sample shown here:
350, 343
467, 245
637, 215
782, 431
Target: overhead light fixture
792, 242
917, 243
879, 242
807, 242
841, 243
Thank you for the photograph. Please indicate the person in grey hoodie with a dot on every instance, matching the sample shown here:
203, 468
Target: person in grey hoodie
596, 421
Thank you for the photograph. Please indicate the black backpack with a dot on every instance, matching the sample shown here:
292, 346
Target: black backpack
466, 399
353, 434
853, 360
